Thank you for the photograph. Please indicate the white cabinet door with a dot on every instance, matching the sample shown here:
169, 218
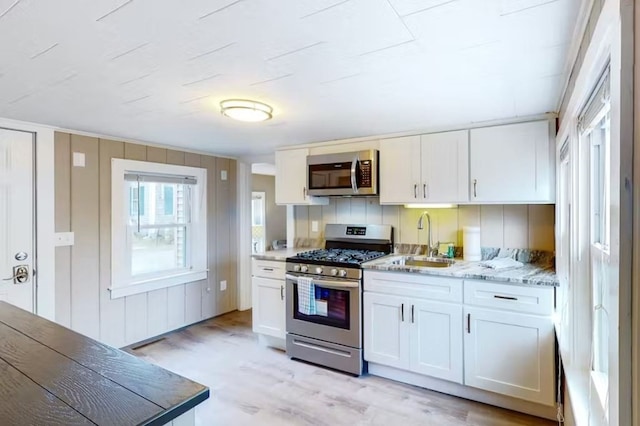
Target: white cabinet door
268, 307
436, 340
510, 353
400, 170
386, 335
445, 167
512, 163
291, 178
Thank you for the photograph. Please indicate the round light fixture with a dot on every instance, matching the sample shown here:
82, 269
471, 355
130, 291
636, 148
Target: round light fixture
246, 110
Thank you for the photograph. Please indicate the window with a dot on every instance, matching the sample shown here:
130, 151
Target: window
594, 127
159, 235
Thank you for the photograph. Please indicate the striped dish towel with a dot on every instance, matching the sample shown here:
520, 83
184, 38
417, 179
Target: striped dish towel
306, 296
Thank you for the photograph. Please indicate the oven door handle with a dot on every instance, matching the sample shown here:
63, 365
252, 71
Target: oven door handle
329, 283
354, 180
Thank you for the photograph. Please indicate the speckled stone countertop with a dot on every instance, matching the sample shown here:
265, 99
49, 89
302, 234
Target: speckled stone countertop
280, 255
528, 274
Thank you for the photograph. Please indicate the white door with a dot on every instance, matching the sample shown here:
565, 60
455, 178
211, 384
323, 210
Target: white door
400, 170
445, 167
268, 307
510, 353
436, 340
16, 218
386, 331
511, 163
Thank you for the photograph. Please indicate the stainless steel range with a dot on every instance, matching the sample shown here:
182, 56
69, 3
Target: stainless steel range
324, 296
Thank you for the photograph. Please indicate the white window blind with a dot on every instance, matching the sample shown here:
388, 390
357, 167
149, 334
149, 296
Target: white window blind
593, 110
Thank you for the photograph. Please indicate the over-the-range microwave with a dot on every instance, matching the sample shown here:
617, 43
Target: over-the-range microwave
343, 174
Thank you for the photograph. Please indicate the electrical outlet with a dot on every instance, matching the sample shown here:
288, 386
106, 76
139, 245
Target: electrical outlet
314, 226
223, 174
223, 285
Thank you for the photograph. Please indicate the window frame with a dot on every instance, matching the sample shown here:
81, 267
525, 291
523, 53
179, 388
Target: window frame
123, 283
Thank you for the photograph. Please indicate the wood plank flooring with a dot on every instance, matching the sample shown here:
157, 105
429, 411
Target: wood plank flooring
254, 385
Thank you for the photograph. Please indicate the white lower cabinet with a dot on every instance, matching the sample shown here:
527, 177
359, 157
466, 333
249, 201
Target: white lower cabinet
268, 301
510, 353
386, 337
489, 336
413, 334
436, 340
269, 307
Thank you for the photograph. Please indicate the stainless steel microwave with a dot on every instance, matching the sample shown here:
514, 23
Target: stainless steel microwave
343, 174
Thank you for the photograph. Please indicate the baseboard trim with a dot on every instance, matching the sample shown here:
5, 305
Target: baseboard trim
466, 392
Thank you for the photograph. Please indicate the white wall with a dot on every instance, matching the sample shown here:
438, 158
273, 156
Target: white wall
508, 226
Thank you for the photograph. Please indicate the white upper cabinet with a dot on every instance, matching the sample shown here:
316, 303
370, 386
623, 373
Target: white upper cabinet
445, 167
430, 168
512, 163
400, 170
291, 178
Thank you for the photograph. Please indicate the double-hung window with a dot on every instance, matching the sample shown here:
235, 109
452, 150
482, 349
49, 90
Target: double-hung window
158, 226
594, 127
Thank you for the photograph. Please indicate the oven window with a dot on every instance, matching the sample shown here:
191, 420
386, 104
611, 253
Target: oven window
332, 307
330, 176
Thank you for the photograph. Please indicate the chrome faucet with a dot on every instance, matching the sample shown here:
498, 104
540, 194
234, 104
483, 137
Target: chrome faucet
431, 250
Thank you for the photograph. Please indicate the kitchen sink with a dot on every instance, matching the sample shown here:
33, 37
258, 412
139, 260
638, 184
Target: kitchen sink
425, 262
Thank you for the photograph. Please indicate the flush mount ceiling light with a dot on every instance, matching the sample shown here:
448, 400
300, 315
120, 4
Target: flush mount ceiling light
246, 110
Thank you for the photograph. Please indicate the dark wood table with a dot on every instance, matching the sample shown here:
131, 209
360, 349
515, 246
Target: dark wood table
50, 375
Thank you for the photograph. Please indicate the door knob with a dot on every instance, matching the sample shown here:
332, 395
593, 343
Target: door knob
20, 274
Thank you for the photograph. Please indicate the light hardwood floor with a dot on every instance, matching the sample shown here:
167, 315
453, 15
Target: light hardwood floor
254, 385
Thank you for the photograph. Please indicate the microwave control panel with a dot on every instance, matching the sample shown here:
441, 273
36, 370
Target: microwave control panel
365, 174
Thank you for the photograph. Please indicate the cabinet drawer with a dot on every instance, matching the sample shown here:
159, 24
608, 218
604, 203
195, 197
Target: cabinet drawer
509, 297
268, 269
414, 285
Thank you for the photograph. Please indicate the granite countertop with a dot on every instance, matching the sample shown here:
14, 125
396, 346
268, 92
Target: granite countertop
528, 274
280, 255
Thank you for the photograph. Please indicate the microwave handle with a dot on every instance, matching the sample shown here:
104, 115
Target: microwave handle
354, 180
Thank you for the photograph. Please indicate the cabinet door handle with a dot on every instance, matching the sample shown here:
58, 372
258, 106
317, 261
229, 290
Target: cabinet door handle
268, 269
402, 312
415, 190
281, 292
411, 314
505, 297
424, 190
304, 192
469, 323
475, 187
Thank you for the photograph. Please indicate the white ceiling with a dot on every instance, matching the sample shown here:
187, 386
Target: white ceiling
155, 70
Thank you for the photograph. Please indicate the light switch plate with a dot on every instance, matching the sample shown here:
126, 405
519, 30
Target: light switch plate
223, 174
223, 285
314, 226
63, 239
79, 159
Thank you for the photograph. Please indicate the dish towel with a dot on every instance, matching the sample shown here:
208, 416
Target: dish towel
306, 296
502, 263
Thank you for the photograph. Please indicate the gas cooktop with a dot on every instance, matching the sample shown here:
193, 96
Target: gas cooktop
353, 257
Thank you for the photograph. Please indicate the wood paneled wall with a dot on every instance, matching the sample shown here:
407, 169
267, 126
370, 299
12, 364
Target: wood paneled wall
83, 271
508, 226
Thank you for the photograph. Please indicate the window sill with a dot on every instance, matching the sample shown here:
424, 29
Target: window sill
157, 283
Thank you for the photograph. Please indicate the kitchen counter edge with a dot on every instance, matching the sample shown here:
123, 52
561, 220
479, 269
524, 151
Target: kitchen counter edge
529, 274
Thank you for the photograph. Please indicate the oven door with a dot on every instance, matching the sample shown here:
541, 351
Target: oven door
338, 311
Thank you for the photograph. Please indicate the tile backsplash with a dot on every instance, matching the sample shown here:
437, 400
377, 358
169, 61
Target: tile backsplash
501, 226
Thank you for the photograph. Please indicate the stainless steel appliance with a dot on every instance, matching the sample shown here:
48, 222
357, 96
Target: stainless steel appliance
344, 174
332, 336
